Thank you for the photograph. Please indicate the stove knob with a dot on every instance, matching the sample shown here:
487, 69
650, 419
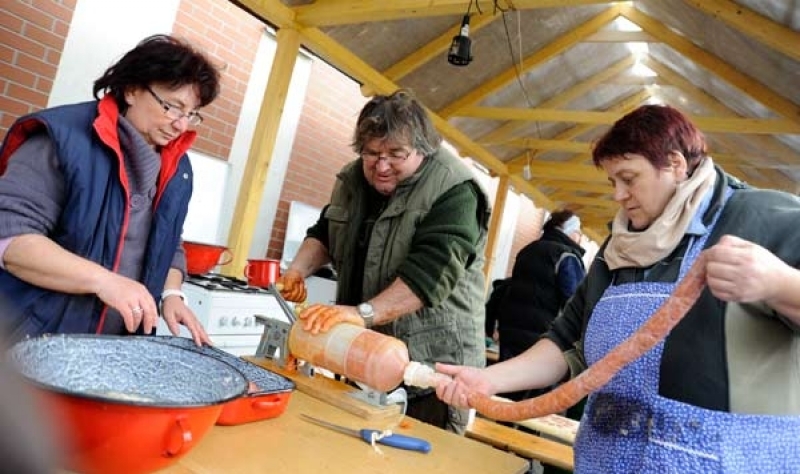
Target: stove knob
235, 322
223, 321
248, 322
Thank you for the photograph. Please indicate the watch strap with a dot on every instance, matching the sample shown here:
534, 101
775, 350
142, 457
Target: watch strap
172, 292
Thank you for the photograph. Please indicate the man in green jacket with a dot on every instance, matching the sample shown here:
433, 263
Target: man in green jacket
405, 231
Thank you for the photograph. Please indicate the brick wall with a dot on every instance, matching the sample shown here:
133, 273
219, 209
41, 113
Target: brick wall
230, 36
32, 35
321, 146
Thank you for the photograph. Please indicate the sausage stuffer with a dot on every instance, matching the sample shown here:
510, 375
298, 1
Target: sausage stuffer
274, 345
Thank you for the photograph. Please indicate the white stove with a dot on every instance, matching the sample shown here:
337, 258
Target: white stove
226, 307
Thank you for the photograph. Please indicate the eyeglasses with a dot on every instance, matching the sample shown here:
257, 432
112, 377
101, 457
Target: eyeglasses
393, 157
174, 112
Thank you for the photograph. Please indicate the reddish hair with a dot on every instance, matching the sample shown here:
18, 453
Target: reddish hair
653, 131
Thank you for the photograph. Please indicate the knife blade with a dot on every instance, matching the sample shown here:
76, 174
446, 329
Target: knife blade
395, 440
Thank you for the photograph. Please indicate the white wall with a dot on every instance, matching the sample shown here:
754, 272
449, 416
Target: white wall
205, 208
100, 33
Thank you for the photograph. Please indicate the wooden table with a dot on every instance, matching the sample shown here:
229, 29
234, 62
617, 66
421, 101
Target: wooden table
291, 445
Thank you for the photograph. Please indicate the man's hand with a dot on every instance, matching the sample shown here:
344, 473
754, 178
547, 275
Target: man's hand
319, 318
292, 286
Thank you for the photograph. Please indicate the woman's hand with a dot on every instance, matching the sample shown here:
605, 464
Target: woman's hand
131, 299
741, 271
292, 286
465, 380
175, 312
319, 318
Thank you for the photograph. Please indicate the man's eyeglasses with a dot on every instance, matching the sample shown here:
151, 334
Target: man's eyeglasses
174, 112
393, 157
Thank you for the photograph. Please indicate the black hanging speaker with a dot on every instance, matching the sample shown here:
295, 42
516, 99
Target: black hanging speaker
459, 54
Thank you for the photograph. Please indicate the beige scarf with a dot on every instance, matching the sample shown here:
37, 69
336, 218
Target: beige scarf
641, 249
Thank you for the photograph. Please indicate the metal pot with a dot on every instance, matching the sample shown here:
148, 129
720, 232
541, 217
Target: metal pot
126, 405
267, 397
201, 258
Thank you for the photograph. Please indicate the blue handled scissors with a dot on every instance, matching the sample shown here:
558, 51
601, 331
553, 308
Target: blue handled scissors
395, 440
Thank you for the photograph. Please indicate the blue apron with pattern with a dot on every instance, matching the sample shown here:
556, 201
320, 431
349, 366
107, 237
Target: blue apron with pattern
628, 428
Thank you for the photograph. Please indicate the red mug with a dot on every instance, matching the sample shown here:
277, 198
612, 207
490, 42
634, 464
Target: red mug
262, 272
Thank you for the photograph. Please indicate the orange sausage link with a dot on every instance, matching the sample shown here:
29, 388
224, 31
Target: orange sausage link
645, 338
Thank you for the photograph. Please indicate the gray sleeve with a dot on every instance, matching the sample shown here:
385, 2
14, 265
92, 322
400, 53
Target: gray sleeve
179, 260
31, 190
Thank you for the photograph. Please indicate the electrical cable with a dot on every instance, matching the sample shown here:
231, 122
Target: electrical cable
518, 63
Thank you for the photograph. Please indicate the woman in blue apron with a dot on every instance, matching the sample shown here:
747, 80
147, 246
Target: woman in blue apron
722, 392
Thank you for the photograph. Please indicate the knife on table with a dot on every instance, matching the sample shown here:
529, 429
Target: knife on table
395, 440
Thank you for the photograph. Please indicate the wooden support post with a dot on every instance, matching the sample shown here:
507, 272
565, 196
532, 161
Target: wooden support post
494, 225
258, 160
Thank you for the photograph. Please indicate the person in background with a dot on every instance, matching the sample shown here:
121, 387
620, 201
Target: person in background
405, 230
499, 287
720, 393
545, 275
93, 197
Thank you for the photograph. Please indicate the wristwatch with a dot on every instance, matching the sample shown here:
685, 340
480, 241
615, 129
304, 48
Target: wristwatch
367, 313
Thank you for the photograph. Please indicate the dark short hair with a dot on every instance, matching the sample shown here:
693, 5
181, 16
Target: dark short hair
160, 59
653, 131
557, 219
398, 117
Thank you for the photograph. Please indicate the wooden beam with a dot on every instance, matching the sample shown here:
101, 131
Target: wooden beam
564, 98
340, 12
614, 36
273, 12
535, 194
547, 144
548, 52
714, 65
753, 24
709, 124
261, 148
631, 80
622, 107
577, 186
604, 202
551, 170
495, 224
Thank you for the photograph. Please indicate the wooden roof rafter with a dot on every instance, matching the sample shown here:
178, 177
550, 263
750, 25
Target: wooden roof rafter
621, 107
752, 24
339, 12
713, 64
578, 90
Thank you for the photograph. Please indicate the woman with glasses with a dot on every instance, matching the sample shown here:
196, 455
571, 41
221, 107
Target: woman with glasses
405, 230
93, 197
